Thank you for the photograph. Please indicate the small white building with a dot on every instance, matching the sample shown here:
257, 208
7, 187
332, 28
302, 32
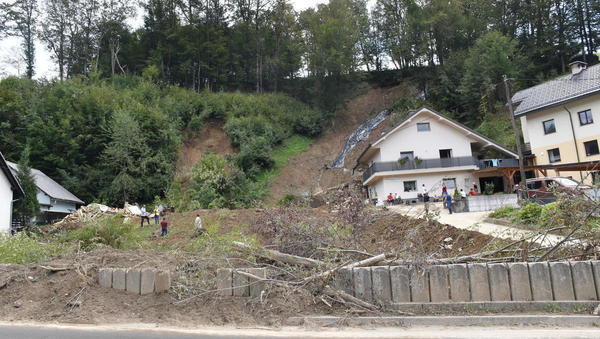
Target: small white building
429, 149
55, 201
10, 190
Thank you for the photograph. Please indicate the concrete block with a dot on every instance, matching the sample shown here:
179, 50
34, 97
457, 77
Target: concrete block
458, 277
419, 285
225, 282
562, 282
382, 288
362, 283
105, 277
520, 286
240, 285
162, 281
541, 287
399, 277
438, 283
596, 271
344, 280
479, 282
499, 283
583, 280
147, 281
119, 279
134, 280
256, 287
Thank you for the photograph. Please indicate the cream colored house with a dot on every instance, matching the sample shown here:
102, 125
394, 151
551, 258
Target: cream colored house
560, 120
429, 149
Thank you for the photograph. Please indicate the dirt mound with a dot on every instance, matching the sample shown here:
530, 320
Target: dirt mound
306, 171
212, 138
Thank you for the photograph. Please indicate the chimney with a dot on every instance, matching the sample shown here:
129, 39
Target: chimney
577, 67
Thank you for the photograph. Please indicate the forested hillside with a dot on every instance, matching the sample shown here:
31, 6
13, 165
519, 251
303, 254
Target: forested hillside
118, 140
110, 124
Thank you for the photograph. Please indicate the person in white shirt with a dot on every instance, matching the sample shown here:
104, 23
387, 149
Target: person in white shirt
463, 194
199, 229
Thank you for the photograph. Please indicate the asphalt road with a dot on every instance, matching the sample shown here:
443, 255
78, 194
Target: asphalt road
75, 332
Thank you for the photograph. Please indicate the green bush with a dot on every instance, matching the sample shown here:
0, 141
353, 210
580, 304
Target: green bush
550, 214
106, 232
504, 212
530, 213
218, 183
287, 200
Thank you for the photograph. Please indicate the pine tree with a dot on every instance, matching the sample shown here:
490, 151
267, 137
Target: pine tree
28, 207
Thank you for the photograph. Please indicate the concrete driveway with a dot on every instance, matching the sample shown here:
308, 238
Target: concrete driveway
474, 221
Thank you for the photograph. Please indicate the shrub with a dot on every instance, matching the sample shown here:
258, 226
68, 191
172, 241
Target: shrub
218, 183
106, 232
504, 212
530, 213
550, 214
287, 200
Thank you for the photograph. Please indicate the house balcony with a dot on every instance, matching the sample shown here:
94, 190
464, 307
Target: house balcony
445, 164
419, 166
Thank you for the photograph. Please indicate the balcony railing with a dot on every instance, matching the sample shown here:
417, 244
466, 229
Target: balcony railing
498, 163
411, 164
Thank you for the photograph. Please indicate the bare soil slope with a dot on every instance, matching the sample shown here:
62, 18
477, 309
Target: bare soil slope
306, 172
211, 138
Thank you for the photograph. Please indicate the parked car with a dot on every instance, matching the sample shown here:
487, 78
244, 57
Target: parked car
544, 188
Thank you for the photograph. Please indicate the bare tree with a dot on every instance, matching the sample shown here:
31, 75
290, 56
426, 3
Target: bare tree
22, 20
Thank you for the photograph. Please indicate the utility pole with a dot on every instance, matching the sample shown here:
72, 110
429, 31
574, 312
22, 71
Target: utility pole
517, 137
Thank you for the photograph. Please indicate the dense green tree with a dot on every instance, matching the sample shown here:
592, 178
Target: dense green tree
27, 207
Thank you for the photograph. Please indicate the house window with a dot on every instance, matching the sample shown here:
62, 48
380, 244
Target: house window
549, 126
591, 148
585, 117
554, 155
409, 155
423, 127
450, 183
410, 186
445, 153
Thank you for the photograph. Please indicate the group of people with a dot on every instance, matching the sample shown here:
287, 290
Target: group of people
160, 211
393, 199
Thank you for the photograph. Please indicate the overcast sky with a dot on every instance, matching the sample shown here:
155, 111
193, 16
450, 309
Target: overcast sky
11, 62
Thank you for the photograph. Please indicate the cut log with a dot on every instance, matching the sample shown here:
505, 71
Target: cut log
279, 256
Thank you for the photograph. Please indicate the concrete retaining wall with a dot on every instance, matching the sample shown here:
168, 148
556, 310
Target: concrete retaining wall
230, 283
135, 280
535, 281
482, 203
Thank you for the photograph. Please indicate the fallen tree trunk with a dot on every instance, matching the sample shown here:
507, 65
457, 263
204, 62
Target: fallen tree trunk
279, 256
349, 298
362, 263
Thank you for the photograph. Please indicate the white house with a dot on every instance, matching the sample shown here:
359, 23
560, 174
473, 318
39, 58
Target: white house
10, 190
55, 201
429, 149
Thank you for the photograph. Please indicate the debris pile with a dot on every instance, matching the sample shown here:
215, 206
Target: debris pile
92, 211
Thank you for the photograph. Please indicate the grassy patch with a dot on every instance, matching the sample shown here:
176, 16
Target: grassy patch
109, 232
290, 147
28, 249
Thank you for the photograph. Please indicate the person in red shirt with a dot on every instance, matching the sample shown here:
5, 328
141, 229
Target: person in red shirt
390, 199
472, 192
164, 225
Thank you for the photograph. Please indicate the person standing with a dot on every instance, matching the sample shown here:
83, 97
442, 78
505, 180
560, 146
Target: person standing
144, 216
463, 194
156, 215
448, 198
199, 228
164, 226
444, 189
